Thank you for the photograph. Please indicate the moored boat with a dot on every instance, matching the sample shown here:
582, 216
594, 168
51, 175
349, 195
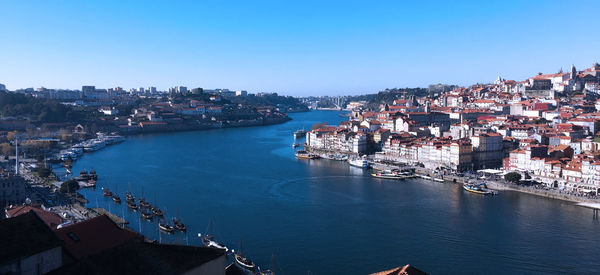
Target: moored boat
143, 203
132, 206
165, 227
179, 225
83, 175
245, 264
390, 175
478, 188
157, 212
208, 241
93, 175
129, 197
306, 155
299, 133
340, 157
116, 198
359, 162
107, 193
147, 215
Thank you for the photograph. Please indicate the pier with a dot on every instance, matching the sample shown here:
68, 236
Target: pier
594, 206
118, 220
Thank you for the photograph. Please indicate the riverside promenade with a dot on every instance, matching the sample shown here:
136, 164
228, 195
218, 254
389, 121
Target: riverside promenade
501, 185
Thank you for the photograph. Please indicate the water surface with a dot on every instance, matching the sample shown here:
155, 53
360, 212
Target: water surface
329, 218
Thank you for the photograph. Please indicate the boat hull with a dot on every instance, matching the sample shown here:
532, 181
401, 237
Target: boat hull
389, 177
475, 191
245, 268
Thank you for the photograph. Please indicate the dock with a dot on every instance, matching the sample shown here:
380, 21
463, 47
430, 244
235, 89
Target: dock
593, 205
118, 220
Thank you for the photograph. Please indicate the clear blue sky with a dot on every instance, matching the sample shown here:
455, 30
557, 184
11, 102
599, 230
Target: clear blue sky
290, 47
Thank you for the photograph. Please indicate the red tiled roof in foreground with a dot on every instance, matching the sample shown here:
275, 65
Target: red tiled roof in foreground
94, 236
403, 270
51, 219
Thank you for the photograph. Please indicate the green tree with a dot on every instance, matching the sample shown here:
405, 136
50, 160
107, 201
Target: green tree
69, 186
7, 149
513, 177
43, 171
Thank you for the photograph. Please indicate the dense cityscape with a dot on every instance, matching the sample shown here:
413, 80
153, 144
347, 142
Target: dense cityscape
543, 128
536, 136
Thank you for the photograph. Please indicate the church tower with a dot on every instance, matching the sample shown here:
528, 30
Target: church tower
573, 73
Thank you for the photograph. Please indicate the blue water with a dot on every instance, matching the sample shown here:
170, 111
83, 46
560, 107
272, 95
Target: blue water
328, 218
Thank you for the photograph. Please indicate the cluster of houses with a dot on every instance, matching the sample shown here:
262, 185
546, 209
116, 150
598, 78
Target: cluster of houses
191, 114
544, 127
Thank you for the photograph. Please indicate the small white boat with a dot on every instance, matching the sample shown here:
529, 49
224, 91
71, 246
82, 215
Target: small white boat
94, 145
209, 241
245, 264
300, 133
359, 162
113, 139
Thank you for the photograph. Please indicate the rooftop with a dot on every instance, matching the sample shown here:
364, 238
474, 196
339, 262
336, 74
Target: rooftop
25, 235
402, 270
51, 219
93, 236
143, 258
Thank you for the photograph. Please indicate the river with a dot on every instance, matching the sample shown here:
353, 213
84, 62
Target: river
326, 217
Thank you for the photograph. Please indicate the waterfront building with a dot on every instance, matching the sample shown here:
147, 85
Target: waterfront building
487, 150
29, 246
520, 159
12, 190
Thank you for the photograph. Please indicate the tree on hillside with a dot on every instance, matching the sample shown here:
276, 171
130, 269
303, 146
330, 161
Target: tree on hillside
43, 171
70, 186
7, 149
513, 177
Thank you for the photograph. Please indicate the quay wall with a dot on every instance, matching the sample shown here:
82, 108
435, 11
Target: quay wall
538, 192
496, 185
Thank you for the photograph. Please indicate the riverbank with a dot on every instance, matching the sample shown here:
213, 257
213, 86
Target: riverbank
547, 193
497, 185
167, 128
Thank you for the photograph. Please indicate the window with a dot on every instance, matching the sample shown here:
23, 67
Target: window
73, 237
